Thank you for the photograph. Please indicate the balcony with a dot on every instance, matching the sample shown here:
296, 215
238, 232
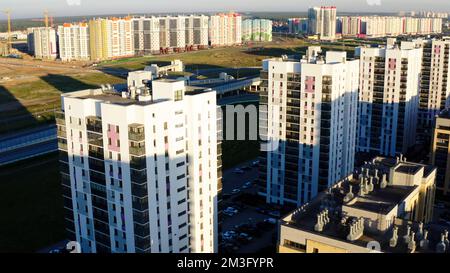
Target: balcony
60, 118
137, 150
136, 132
138, 176
94, 124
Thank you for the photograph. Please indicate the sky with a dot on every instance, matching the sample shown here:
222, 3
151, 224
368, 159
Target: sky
35, 8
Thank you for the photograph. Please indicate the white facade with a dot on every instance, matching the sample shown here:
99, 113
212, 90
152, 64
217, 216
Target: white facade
388, 99
315, 103
42, 43
74, 42
119, 37
434, 86
141, 169
322, 21
225, 29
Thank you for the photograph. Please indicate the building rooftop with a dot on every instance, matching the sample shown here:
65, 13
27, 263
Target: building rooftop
122, 96
368, 192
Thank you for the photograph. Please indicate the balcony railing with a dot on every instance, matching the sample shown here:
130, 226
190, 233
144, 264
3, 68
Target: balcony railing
137, 151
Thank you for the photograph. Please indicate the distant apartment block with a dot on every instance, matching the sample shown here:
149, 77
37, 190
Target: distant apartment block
310, 116
386, 206
383, 26
298, 25
225, 29
146, 35
388, 99
140, 168
257, 30
322, 22
42, 43
74, 42
440, 151
110, 38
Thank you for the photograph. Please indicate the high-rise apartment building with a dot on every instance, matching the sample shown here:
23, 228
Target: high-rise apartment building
310, 118
387, 206
139, 168
388, 99
258, 30
197, 31
440, 151
74, 42
383, 26
111, 38
42, 43
322, 22
298, 25
146, 35
225, 29
434, 84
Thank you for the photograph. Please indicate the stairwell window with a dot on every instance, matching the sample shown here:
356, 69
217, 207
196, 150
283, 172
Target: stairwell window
178, 95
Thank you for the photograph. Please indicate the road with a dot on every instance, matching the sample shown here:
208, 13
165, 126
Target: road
248, 214
28, 144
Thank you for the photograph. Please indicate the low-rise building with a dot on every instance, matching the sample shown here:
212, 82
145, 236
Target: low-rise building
386, 205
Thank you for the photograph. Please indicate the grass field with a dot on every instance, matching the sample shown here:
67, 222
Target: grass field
32, 102
31, 205
227, 57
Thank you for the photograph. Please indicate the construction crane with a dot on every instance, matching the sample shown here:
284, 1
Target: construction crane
48, 20
8, 14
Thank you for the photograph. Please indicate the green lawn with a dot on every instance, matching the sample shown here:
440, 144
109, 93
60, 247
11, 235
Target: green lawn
31, 205
228, 57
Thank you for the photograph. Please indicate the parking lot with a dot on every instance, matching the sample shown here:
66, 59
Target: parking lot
248, 219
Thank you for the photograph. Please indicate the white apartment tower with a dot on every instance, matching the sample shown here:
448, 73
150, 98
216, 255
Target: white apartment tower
388, 99
322, 21
311, 119
120, 37
225, 29
42, 43
74, 42
434, 84
139, 168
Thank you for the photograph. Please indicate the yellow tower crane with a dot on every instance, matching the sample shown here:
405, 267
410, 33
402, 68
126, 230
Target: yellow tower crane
8, 14
46, 18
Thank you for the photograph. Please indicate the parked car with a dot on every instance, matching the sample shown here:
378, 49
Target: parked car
232, 210
246, 168
247, 185
230, 234
238, 171
244, 237
255, 163
235, 191
271, 221
228, 213
274, 213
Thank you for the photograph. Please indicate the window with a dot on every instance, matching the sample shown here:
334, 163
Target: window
178, 95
